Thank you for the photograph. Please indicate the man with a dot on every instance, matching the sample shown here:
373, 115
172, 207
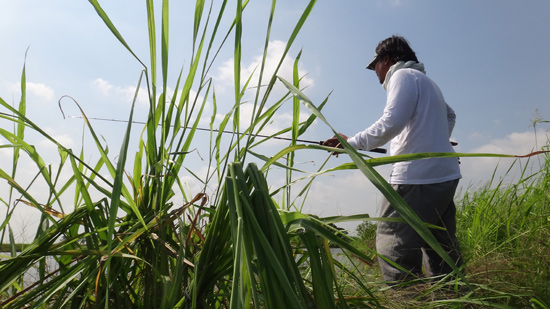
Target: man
416, 119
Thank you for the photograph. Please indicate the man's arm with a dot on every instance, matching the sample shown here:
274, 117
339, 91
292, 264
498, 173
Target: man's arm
451, 119
401, 103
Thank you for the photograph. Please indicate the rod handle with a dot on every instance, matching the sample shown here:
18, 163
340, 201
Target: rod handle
377, 150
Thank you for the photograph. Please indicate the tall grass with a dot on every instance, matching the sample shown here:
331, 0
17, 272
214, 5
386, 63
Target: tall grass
504, 230
127, 242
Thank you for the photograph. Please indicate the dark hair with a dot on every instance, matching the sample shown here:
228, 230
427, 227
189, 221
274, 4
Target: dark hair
397, 48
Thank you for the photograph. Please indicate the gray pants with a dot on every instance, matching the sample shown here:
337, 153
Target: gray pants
401, 244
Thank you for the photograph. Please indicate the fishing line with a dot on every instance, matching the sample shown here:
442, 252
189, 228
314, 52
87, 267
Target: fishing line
377, 150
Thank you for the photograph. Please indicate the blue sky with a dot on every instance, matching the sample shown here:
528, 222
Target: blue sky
488, 57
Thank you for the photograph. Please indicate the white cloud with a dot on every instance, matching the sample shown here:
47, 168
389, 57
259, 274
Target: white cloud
64, 139
124, 95
225, 77
40, 91
392, 3
278, 122
478, 136
479, 171
104, 86
516, 143
224, 81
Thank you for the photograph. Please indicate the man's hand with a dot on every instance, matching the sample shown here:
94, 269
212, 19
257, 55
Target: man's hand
334, 142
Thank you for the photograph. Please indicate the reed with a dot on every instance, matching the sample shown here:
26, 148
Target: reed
125, 242
128, 243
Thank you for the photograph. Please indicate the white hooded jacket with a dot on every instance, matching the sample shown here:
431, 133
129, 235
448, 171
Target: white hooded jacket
416, 119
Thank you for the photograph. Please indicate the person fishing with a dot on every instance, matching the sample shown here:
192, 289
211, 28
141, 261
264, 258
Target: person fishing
416, 119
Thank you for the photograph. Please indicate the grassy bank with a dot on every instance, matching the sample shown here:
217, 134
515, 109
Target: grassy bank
504, 232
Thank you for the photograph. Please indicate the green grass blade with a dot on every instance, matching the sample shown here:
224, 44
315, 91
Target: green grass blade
112, 27
290, 41
255, 111
199, 8
265, 233
117, 192
165, 41
237, 69
321, 279
20, 133
152, 47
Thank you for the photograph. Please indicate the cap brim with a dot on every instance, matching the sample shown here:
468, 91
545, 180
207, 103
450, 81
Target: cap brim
371, 65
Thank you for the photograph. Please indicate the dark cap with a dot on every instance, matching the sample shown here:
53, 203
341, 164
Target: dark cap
396, 48
371, 65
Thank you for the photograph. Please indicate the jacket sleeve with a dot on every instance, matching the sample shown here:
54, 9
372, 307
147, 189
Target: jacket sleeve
451, 119
400, 106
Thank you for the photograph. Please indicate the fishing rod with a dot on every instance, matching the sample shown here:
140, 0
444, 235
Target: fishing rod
377, 150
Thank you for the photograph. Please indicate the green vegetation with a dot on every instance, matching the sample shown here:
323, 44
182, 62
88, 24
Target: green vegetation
127, 240
503, 230
8, 247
